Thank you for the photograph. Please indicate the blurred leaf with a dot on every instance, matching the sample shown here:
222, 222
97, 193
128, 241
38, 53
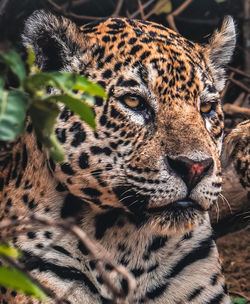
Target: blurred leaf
163, 6
64, 81
220, 1
44, 116
13, 108
238, 300
85, 85
15, 63
2, 82
31, 60
77, 106
9, 251
15, 279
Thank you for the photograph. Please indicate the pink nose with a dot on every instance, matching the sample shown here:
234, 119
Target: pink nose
190, 171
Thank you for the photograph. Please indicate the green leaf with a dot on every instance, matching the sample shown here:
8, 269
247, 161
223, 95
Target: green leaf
238, 300
2, 82
15, 63
13, 108
44, 115
220, 1
163, 6
76, 105
31, 60
9, 251
85, 85
64, 81
15, 279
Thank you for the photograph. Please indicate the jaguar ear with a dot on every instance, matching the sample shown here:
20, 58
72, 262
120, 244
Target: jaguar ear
221, 48
54, 39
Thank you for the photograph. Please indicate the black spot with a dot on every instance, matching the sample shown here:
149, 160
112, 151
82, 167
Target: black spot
195, 293
19, 179
121, 44
91, 192
201, 251
82, 248
61, 135
107, 74
25, 198
72, 206
105, 221
216, 299
132, 40
61, 250
133, 200
32, 204
105, 38
103, 120
1, 183
135, 49
48, 234
63, 272
137, 271
79, 138
61, 187
66, 168
96, 150
156, 292
31, 235
83, 161
214, 279
156, 243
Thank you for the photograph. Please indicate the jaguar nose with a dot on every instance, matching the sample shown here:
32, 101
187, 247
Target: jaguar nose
189, 170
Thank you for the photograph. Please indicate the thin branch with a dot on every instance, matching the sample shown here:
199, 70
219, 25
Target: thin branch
237, 111
180, 9
240, 84
155, 9
141, 9
118, 8
96, 252
238, 71
144, 6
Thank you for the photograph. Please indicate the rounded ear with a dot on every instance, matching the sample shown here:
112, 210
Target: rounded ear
220, 49
54, 39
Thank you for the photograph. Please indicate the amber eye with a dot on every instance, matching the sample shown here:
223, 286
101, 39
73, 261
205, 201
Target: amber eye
131, 101
206, 108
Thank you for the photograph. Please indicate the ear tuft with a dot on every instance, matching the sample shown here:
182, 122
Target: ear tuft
54, 39
221, 48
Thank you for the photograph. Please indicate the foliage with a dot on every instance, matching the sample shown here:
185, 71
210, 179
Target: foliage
31, 98
15, 279
238, 300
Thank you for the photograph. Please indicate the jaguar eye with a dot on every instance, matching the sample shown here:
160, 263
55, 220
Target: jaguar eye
206, 108
131, 101
134, 102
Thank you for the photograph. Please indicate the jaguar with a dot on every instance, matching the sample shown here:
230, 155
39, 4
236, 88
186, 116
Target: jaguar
142, 183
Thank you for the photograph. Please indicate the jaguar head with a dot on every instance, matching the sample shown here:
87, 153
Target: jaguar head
155, 153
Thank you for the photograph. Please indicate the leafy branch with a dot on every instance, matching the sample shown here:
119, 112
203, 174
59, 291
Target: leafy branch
32, 98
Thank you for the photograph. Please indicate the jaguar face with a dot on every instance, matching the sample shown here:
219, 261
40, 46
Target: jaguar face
155, 153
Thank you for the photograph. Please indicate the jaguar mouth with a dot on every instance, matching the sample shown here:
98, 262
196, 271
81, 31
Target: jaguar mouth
180, 206
182, 215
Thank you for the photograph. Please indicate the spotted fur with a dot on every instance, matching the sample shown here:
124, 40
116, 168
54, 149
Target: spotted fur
132, 185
